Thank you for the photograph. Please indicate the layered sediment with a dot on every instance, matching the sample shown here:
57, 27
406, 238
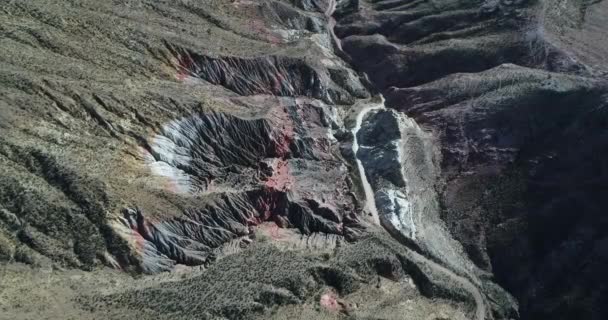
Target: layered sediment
320, 158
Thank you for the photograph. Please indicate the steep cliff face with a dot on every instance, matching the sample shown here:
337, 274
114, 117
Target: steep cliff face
304, 158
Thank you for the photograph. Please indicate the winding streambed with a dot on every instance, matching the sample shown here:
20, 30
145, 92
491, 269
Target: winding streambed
370, 207
370, 202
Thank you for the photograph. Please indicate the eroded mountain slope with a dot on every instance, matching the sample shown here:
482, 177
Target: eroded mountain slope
243, 147
514, 93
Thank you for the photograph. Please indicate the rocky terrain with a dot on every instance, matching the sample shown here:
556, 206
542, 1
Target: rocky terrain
308, 159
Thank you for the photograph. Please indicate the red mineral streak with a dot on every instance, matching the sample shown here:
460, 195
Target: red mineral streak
285, 136
138, 230
186, 67
272, 230
171, 185
267, 204
254, 221
277, 82
275, 232
330, 302
139, 241
281, 179
340, 228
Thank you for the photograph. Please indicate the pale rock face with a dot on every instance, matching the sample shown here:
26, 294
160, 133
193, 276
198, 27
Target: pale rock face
396, 211
170, 152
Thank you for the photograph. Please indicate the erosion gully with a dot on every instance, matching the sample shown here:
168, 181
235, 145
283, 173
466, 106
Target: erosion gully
370, 203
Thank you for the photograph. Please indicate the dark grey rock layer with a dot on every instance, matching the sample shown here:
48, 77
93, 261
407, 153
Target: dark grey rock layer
517, 106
